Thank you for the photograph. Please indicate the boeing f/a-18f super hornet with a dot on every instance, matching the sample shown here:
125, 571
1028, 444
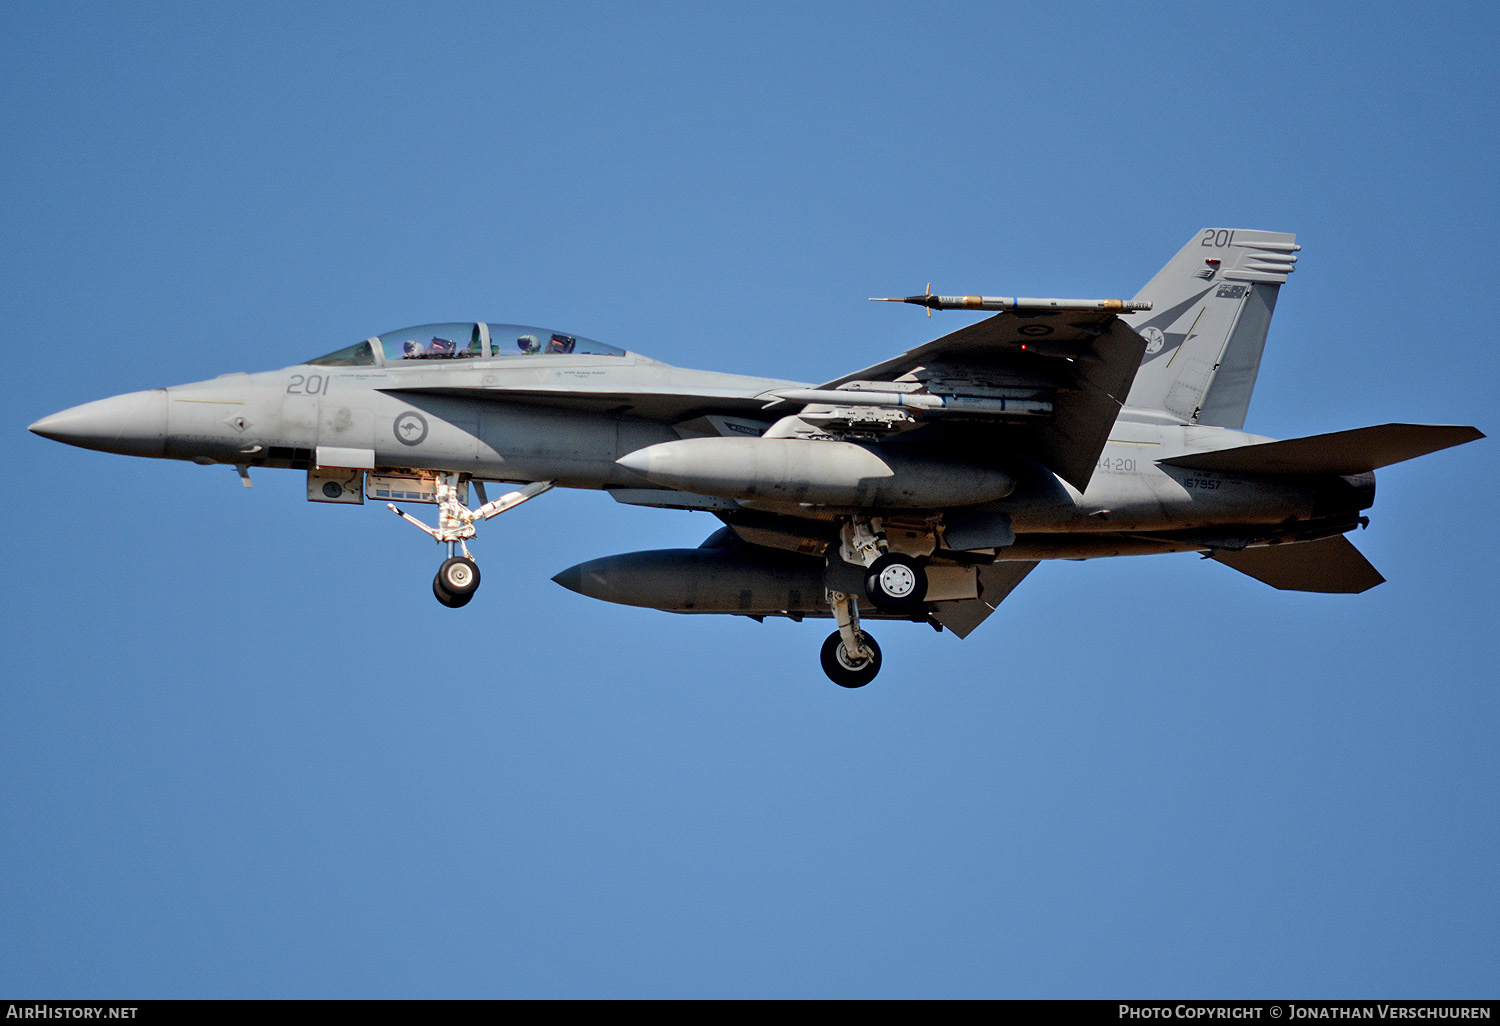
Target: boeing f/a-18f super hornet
923, 488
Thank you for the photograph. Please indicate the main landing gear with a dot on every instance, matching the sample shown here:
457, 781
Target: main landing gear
895, 581
894, 578
458, 578
850, 656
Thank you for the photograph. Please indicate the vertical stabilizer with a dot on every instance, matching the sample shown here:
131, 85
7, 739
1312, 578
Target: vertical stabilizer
1211, 309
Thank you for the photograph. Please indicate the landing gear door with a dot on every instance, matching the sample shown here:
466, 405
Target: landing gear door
335, 484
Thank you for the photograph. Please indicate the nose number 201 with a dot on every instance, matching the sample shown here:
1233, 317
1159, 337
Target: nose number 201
311, 384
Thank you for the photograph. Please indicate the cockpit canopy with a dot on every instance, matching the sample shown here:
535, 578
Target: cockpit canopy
470, 341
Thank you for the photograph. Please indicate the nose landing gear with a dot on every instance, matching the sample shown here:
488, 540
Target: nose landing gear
458, 578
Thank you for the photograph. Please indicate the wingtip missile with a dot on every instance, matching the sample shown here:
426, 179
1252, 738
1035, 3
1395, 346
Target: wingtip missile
1016, 303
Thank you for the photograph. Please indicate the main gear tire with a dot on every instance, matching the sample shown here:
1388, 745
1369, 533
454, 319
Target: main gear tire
846, 671
896, 583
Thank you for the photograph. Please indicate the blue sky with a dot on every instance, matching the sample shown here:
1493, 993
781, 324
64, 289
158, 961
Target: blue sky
247, 755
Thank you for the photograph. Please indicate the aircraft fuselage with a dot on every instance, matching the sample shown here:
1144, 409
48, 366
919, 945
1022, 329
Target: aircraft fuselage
284, 418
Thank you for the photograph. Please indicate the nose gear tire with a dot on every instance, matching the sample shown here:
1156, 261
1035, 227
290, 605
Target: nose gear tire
446, 597
459, 577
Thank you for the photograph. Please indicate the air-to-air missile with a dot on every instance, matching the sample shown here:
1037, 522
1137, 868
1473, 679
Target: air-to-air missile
1016, 304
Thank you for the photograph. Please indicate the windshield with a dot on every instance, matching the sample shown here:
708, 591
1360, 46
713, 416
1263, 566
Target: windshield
358, 355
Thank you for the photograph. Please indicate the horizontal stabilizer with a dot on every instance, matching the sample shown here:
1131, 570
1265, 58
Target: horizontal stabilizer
1340, 452
1330, 565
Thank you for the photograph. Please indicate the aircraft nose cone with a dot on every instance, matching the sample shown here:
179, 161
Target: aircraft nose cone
134, 424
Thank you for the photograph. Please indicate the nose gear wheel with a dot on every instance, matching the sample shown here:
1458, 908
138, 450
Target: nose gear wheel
456, 581
447, 598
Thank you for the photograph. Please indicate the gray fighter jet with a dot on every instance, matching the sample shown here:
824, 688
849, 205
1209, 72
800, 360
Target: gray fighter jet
922, 488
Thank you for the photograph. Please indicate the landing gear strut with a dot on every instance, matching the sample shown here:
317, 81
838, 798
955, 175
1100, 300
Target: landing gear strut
850, 656
458, 578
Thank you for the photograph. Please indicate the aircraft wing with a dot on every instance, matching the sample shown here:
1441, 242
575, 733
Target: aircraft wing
1082, 362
